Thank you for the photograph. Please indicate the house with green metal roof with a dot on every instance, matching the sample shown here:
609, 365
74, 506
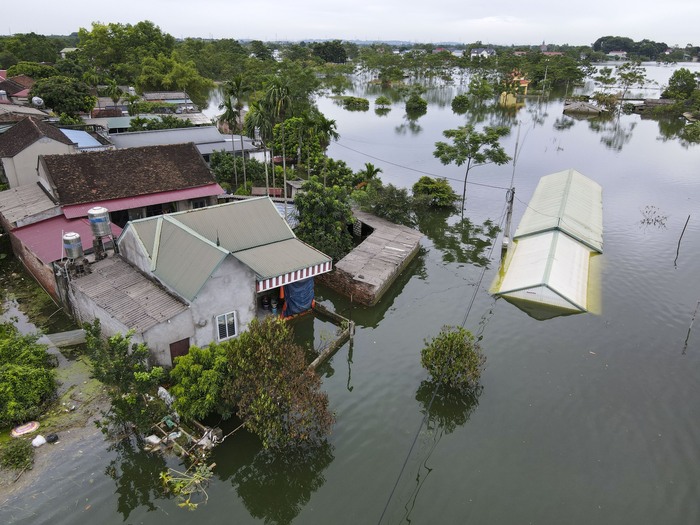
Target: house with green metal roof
222, 262
546, 270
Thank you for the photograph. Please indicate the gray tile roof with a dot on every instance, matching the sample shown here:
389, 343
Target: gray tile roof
25, 133
116, 174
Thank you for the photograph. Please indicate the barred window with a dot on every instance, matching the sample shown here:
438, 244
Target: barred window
226, 325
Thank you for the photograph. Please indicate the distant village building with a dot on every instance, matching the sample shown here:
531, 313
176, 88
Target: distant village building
482, 52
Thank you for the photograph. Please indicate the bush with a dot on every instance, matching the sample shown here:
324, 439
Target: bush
454, 359
415, 105
18, 454
27, 378
382, 101
355, 103
460, 104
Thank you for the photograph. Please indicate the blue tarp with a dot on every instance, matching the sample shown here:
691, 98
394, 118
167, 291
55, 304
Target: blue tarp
298, 296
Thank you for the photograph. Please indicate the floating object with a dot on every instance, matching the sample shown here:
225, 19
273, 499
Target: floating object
38, 441
52, 438
25, 429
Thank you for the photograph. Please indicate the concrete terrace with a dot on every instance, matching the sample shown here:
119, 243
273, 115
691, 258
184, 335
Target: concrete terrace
368, 270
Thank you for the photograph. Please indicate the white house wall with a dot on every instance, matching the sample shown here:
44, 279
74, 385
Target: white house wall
21, 169
159, 337
230, 288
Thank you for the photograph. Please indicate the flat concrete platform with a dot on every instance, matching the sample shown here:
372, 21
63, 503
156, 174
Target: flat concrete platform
368, 270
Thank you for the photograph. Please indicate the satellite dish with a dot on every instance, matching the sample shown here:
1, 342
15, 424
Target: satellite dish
37, 101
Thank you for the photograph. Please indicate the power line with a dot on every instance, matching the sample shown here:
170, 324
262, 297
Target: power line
437, 385
419, 171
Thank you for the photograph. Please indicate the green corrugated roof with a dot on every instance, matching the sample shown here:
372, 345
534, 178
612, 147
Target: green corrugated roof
238, 225
183, 259
185, 248
271, 260
566, 201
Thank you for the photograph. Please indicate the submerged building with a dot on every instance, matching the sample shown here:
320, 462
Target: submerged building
546, 271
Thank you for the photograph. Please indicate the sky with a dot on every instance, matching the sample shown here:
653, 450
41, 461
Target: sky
502, 22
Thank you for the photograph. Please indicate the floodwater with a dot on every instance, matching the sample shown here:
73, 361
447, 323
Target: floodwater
590, 418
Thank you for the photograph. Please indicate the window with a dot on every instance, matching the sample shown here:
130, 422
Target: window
226, 325
199, 203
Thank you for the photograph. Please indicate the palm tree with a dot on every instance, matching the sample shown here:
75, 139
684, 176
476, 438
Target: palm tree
114, 91
278, 96
236, 89
260, 119
230, 117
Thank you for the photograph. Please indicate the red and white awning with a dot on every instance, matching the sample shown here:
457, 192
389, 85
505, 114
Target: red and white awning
291, 277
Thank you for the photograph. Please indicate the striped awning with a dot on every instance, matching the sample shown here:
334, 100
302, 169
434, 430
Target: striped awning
263, 285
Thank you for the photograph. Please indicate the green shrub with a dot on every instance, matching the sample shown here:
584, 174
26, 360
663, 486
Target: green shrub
454, 359
27, 377
17, 454
460, 104
355, 103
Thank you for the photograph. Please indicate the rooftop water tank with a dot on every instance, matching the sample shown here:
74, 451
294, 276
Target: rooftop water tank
72, 245
99, 221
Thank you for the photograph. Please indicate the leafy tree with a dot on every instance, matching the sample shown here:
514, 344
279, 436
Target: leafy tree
454, 359
199, 378
64, 95
131, 383
260, 50
386, 201
33, 70
383, 101
118, 50
475, 148
355, 103
31, 47
163, 73
435, 193
629, 75
27, 376
461, 103
277, 395
331, 51
681, 84
160, 122
324, 216
263, 378
416, 106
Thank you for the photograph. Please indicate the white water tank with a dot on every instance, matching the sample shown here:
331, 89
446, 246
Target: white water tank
99, 222
72, 245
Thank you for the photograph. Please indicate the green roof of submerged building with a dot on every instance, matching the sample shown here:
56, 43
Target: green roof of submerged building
569, 202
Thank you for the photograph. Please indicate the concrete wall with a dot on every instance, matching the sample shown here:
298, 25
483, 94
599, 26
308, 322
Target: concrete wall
230, 288
132, 250
159, 338
41, 272
21, 169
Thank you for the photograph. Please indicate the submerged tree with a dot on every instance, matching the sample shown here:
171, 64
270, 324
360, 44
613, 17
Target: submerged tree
454, 359
475, 148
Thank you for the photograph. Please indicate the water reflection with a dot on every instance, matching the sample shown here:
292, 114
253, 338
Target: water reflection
614, 133
445, 410
137, 476
274, 486
448, 409
410, 125
462, 242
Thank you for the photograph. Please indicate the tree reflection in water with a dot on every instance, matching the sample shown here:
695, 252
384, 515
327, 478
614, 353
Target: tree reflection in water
273, 485
444, 410
461, 242
137, 476
615, 135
